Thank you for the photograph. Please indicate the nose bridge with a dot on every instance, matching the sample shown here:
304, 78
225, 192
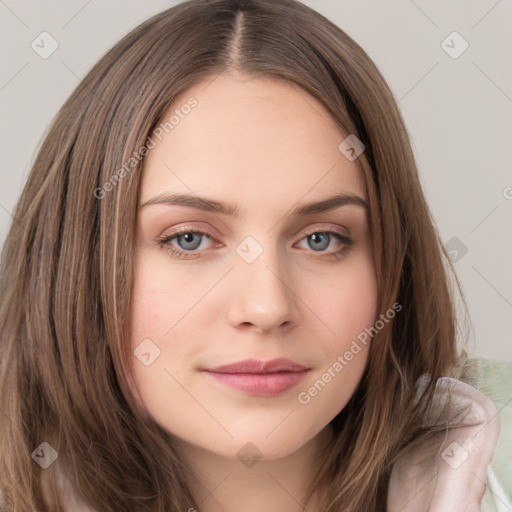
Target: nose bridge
263, 294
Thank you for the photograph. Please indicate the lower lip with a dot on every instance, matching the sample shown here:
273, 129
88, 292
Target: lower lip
260, 384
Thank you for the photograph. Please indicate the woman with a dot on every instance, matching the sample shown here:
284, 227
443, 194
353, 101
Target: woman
302, 355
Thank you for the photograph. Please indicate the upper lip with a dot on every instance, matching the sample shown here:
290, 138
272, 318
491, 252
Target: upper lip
256, 366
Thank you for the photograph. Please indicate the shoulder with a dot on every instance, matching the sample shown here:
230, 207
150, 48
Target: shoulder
448, 471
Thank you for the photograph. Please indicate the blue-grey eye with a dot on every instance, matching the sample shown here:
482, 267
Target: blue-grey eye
190, 243
320, 241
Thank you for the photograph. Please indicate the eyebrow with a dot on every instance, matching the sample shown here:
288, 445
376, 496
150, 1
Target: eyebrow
214, 206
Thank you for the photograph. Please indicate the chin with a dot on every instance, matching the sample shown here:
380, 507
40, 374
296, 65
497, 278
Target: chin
251, 447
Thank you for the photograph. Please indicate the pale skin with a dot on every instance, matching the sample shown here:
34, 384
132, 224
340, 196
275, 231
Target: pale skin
267, 147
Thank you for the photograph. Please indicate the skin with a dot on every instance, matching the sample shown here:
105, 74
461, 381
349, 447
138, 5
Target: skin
264, 145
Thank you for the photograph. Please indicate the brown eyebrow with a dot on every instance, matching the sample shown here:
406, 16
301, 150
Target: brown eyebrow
211, 205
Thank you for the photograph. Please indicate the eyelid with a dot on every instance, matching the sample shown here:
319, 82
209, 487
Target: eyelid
187, 229
324, 226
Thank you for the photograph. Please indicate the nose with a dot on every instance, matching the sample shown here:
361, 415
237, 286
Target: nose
263, 295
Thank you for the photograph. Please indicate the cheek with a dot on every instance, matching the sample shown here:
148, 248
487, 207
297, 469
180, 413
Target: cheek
348, 304
150, 321
349, 309
165, 317
159, 300
345, 301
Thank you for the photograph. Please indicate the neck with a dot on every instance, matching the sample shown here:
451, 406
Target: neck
228, 485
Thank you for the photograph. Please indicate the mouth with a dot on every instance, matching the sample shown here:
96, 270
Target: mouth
258, 378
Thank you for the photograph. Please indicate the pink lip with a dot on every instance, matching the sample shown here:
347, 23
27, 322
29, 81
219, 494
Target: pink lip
256, 366
260, 378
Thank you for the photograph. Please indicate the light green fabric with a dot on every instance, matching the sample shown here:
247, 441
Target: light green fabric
494, 378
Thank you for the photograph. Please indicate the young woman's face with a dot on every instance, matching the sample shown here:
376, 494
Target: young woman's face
259, 285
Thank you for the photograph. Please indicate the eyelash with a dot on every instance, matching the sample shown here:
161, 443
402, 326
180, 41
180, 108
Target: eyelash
165, 241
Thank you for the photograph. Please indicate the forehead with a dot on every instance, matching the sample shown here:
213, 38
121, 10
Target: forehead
249, 140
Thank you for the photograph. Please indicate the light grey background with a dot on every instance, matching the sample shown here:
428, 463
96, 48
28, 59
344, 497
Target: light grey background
458, 112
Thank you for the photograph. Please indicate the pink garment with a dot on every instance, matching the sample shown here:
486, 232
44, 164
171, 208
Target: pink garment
449, 473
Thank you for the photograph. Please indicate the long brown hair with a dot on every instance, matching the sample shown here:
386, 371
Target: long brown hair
68, 264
